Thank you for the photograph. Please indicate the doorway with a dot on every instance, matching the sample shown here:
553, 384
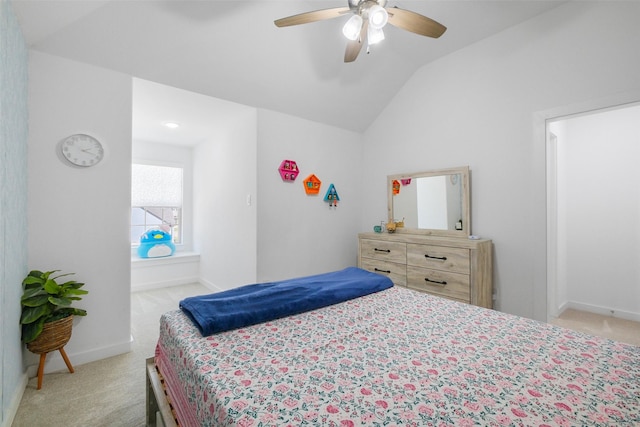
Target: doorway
593, 200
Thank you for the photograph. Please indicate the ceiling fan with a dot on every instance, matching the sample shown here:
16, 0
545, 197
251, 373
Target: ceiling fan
365, 26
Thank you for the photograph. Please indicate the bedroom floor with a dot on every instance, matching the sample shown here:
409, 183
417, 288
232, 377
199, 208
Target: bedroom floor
111, 392
597, 324
108, 392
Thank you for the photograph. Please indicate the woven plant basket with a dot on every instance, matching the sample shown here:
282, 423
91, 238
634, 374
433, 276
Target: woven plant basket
54, 336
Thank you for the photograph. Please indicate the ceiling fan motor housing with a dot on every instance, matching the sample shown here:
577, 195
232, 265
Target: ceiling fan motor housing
355, 5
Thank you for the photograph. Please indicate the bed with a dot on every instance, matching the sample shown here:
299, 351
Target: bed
392, 357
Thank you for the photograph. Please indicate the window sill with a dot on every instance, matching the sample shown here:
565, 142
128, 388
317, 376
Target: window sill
176, 258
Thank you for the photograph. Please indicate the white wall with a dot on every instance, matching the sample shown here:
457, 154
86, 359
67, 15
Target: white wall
153, 273
224, 223
476, 107
299, 234
79, 217
600, 203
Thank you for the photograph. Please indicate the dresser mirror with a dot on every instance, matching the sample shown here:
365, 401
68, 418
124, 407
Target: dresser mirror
432, 202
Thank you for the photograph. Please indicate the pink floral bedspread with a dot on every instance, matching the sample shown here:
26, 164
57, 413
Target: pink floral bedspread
398, 358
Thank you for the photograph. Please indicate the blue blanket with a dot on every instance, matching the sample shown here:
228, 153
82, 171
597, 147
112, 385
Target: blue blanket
252, 304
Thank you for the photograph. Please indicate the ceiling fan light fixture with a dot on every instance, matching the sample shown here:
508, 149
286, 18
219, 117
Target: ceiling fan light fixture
378, 17
351, 29
370, 16
375, 35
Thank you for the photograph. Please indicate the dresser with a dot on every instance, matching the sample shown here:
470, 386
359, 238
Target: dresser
450, 267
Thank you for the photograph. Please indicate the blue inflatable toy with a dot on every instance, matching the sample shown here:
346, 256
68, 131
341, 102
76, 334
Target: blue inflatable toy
155, 244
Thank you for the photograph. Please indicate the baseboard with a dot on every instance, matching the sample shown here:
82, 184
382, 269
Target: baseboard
12, 409
604, 311
210, 285
560, 310
55, 362
163, 284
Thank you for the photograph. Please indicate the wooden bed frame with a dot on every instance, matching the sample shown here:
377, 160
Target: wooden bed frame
158, 408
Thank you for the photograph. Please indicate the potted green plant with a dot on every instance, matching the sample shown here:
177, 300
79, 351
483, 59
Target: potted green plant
47, 315
45, 301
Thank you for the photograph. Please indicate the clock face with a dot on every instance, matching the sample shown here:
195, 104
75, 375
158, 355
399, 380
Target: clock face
82, 150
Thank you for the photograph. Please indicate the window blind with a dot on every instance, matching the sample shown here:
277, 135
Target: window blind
156, 186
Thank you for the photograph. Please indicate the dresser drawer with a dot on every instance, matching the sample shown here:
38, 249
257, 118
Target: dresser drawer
396, 272
443, 283
384, 251
439, 258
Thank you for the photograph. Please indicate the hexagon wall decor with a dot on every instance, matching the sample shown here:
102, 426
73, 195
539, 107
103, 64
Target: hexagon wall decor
288, 170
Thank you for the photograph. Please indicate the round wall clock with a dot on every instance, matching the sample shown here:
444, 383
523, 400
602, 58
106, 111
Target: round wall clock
82, 150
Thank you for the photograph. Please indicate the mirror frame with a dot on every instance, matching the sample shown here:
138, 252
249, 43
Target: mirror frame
466, 202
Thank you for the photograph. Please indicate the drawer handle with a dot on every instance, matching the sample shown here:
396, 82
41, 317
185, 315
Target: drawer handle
383, 271
441, 258
437, 282
382, 250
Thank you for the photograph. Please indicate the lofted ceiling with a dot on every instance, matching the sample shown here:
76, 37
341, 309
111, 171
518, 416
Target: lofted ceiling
232, 50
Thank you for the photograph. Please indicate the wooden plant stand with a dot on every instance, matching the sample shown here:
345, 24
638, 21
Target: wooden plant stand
43, 357
54, 336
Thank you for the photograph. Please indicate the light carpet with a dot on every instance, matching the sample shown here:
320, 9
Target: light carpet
108, 392
610, 327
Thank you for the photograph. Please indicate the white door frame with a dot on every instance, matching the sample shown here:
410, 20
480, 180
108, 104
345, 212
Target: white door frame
543, 204
552, 223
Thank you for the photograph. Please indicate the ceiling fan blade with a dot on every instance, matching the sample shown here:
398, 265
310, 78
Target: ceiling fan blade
414, 22
355, 46
317, 15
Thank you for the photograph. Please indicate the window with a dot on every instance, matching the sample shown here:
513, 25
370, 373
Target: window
156, 200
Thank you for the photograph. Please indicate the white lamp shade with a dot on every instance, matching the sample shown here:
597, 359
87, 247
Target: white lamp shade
374, 35
351, 29
378, 17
